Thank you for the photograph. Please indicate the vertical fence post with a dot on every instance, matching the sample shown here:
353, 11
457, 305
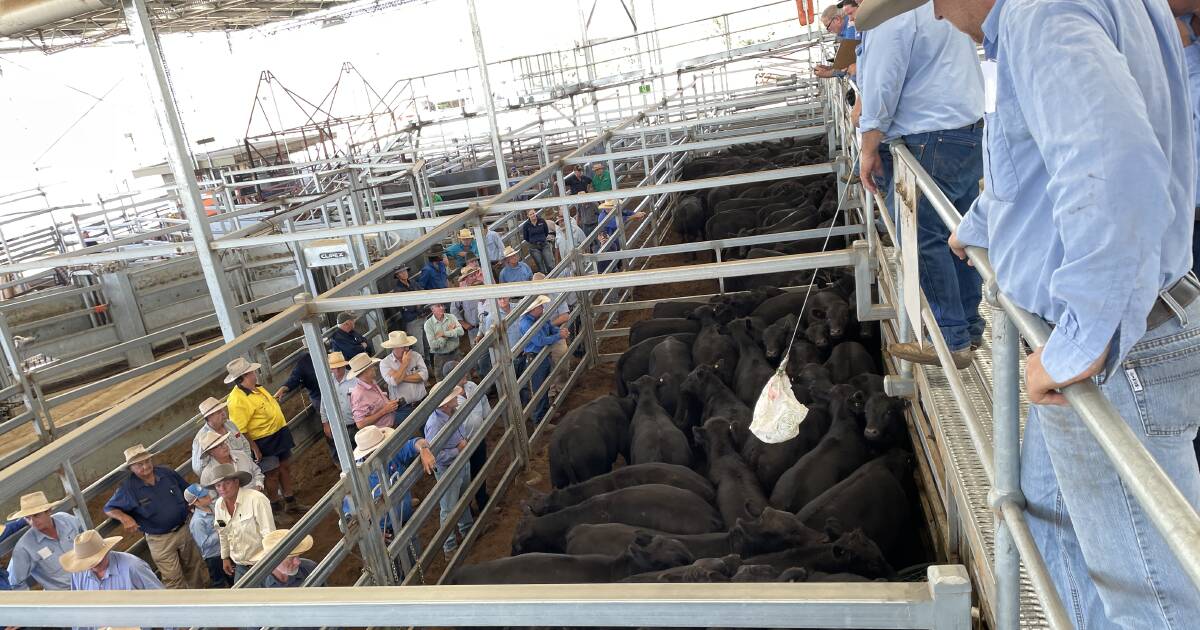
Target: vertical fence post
374, 551
950, 589
70, 483
1006, 433
42, 426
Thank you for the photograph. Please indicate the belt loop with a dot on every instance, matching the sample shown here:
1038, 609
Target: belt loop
1169, 300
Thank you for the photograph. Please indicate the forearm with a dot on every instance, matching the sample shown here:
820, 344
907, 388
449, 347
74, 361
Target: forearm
116, 514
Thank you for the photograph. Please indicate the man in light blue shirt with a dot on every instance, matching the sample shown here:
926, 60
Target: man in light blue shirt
1188, 12
1087, 214
515, 269
922, 86
451, 449
544, 336
38, 550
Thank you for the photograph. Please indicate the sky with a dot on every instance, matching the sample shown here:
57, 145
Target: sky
76, 123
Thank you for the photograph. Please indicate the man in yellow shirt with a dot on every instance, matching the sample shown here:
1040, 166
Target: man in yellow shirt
260, 418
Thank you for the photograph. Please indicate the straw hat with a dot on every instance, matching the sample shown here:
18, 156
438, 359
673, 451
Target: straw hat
465, 233
221, 472
32, 503
399, 339
369, 439
539, 276
137, 453
272, 540
359, 364
509, 251
211, 440
237, 368
89, 550
608, 205
538, 301
210, 406
337, 360
453, 395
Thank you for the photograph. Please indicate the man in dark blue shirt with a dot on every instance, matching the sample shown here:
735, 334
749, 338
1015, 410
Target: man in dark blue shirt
546, 335
576, 182
347, 340
302, 374
433, 274
151, 500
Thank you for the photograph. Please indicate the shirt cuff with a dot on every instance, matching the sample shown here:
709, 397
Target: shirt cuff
866, 124
972, 230
1063, 357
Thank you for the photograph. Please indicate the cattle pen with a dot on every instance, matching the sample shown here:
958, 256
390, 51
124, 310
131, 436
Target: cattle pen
137, 328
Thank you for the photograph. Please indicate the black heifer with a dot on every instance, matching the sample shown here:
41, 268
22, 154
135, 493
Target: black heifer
627, 476
645, 554
849, 359
769, 461
873, 498
634, 363
647, 328
704, 395
851, 552
588, 440
654, 437
739, 495
654, 506
753, 370
840, 452
670, 363
712, 347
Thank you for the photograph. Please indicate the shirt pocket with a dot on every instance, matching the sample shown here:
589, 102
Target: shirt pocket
1000, 172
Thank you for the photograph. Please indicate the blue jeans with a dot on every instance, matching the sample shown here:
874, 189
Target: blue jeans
449, 500
1113, 570
954, 159
540, 372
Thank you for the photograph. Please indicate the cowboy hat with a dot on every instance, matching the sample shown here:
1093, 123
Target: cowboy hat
399, 339
453, 395
538, 301
136, 453
32, 503
359, 364
337, 360
346, 316
210, 406
89, 550
369, 439
211, 440
272, 540
238, 368
872, 13
465, 233
608, 205
509, 251
221, 472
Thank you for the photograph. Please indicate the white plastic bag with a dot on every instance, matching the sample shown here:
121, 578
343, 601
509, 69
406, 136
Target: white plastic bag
777, 414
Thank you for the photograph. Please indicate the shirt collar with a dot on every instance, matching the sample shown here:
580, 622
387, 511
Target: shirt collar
991, 30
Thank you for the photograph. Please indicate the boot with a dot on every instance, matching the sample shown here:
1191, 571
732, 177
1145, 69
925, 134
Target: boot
927, 355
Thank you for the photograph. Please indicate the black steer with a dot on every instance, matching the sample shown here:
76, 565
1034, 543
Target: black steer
739, 495
625, 477
588, 440
645, 554
654, 437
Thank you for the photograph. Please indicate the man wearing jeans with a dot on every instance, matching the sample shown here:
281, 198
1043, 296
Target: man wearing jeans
450, 450
921, 85
1087, 214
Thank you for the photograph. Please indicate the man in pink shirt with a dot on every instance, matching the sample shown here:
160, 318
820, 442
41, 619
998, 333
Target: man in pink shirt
369, 404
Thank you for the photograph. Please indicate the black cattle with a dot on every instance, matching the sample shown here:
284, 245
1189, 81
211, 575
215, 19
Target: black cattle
811, 384
704, 570
704, 395
775, 308
739, 495
689, 219
772, 530
728, 224
885, 419
849, 552
801, 354
840, 452
675, 310
819, 334
670, 363
770, 461
646, 553
753, 369
588, 440
627, 476
648, 328
712, 347
653, 506
847, 360
757, 573
873, 498
744, 303
831, 308
777, 337
654, 436
634, 363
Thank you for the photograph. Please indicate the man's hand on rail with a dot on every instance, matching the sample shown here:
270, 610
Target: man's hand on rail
1042, 389
870, 166
958, 248
823, 71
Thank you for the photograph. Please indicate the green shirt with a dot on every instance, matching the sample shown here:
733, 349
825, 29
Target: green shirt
451, 330
601, 182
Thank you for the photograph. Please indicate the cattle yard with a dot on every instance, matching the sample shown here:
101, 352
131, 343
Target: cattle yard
740, 126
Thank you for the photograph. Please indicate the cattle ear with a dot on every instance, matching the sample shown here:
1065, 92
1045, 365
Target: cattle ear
833, 528
818, 313
641, 538
857, 397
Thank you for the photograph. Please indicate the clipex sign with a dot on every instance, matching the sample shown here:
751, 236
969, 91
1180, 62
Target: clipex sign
326, 253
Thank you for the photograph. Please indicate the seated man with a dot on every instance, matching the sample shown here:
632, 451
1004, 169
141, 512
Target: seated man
292, 570
94, 566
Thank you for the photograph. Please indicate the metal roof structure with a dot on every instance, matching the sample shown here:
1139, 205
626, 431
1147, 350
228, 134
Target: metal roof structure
55, 25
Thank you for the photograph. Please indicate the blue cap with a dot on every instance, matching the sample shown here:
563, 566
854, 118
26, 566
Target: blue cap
194, 491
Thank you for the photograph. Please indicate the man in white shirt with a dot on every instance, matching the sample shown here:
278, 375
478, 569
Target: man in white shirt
404, 372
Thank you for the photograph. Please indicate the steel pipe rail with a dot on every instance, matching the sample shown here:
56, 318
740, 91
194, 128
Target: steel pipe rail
1167, 508
801, 133
942, 603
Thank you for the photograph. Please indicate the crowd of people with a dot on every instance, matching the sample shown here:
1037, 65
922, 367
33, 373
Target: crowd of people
1081, 121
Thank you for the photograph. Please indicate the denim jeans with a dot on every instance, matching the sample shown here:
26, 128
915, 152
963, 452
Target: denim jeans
542, 254
541, 371
449, 500
954, 159
1111, 566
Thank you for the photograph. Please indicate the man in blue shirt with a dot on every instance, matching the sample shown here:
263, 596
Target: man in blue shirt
1087, 215
545, 336
151, 501
303, 374
450, 450
38, 550
433, 274
1188, 14
345, 338
462, 250
514, 270
921, 86
94, 566
368, 441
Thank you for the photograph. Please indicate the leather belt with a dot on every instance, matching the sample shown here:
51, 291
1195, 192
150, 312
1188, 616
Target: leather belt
1172, 300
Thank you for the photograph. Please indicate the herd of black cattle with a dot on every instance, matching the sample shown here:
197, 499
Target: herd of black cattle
699, 497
